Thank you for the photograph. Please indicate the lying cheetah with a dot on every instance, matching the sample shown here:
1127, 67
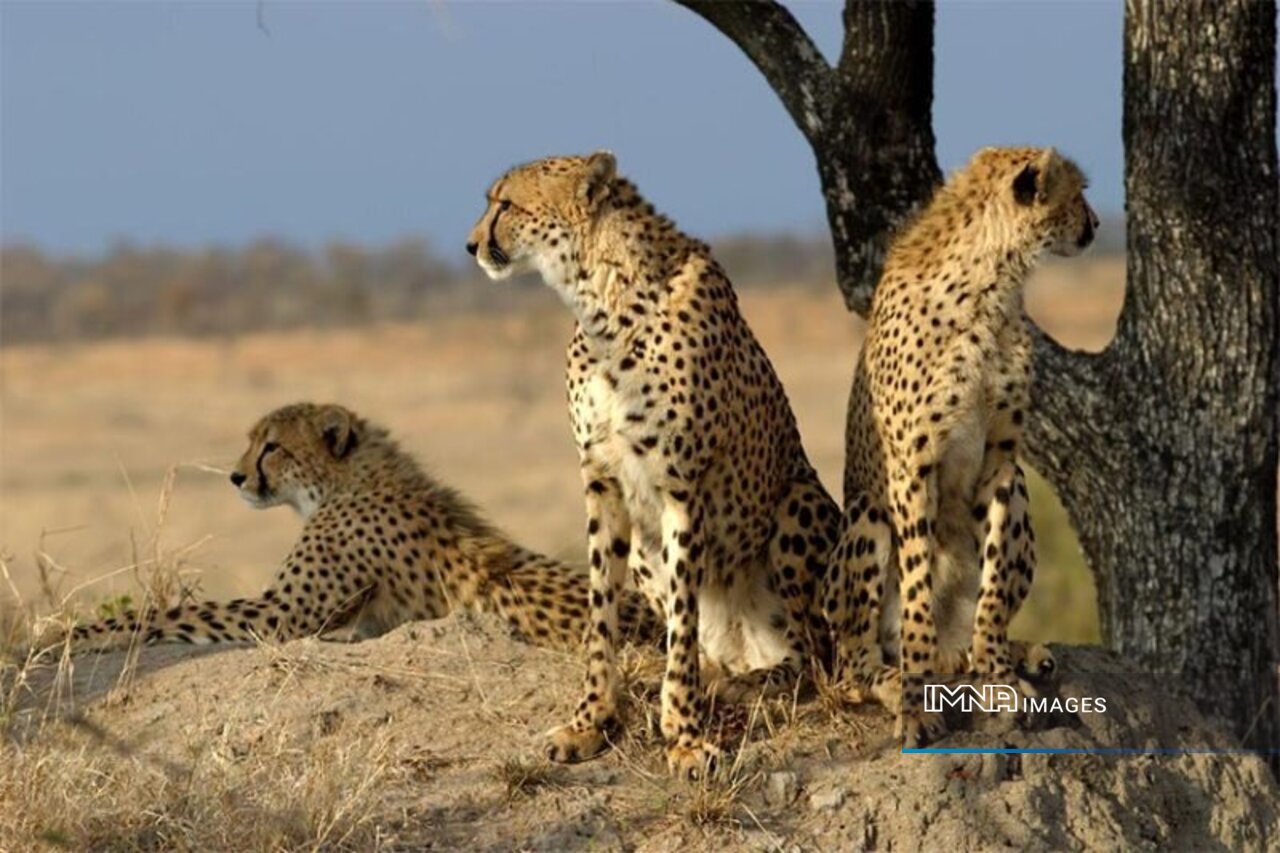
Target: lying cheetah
383, 544
935, 417
691, 460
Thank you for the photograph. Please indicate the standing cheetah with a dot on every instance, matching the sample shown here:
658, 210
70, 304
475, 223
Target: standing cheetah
383, 544
935, 418
691, 460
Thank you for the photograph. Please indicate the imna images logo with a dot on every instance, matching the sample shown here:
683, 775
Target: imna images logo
998, 698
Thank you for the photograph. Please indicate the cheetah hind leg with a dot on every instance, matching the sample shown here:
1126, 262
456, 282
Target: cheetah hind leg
1009, 555
862, 569
746, 687
808, 523
853, 601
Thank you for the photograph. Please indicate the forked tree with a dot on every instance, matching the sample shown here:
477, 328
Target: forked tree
1163, 447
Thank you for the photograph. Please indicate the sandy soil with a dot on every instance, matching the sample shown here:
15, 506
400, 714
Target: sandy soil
426, 739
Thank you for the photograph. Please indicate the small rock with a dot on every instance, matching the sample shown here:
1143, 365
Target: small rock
781, 789
827, 800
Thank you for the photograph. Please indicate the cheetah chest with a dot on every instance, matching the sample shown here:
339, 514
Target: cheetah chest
616, 416
742, 619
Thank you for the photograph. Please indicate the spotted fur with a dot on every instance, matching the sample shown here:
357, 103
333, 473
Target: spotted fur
935, 422
695, 479
384, 543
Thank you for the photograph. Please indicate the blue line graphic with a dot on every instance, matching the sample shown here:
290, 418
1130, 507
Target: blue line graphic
1084, 751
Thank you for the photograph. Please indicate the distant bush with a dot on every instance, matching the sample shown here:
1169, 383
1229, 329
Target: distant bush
272, 284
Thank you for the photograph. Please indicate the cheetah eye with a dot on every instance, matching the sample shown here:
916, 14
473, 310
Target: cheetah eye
504, 205
270, 447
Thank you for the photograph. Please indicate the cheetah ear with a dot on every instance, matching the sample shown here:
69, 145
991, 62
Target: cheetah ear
1024, 185
602, 168
337, 426
1036, 179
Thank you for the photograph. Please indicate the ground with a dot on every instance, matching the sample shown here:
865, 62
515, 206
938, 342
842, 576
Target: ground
426, 738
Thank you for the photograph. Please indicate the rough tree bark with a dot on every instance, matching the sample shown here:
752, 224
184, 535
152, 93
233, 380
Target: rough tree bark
1163, 448
868, 119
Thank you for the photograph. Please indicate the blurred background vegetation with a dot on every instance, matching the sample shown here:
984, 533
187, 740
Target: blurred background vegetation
271, 283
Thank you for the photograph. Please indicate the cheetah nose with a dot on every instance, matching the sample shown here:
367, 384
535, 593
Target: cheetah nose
471, 249
1086, 235
237, 479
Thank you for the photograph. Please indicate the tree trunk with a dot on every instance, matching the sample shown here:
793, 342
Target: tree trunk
1164, 447
868, 120
876, 153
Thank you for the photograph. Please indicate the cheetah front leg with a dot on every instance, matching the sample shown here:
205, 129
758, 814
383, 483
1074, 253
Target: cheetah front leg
914, 496
1008, 566
806, 530
683, 704
289, 609
608, 541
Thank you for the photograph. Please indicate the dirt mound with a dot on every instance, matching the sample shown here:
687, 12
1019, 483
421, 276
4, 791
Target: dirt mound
427, 737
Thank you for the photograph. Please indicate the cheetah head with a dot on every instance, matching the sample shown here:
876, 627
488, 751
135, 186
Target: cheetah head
536, 212
1046, 191
294, 455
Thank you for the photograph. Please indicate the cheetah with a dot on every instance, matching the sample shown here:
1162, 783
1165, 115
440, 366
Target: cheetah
695, 480
384, 543
934, 423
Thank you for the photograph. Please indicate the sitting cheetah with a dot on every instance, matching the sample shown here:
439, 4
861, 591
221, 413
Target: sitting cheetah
935, 417
691, 461
383, 544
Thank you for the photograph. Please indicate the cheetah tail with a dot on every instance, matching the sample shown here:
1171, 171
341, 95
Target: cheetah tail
242, 620
546, 603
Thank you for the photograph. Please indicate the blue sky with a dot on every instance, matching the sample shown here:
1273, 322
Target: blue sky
186, 123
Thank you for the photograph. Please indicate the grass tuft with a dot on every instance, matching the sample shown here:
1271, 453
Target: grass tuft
521, 777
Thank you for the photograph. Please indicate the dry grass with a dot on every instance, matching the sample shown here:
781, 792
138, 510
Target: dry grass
119, 798
283, 797
717, 800
70, 783
521, 776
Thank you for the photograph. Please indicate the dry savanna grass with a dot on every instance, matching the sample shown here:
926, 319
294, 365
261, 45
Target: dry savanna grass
76, 795
113, 494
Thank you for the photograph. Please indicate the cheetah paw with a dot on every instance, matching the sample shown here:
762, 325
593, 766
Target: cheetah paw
885, 687
746, 688
572, 743
919, 730
692, 761
1035, 667
856, 694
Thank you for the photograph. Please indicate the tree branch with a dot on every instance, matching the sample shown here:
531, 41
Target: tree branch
1063, 439
783, 52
